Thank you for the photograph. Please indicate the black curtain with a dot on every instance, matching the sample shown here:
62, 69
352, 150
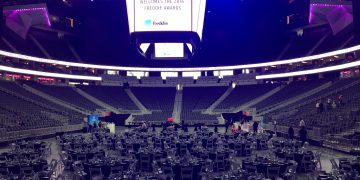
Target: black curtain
1, 18
117, 119
356, 14
232, 117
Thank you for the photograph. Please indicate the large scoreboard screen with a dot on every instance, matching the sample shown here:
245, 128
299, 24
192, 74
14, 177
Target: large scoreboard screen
166, 15
166, 29
163, 15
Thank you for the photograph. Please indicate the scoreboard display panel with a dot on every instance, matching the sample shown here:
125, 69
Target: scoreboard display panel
169, 50
161, 29
166, 15
163, 15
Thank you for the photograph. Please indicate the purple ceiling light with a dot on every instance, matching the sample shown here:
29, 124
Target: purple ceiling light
21, 19
329, 5
311, 14
315, 7
338, 16
43, 10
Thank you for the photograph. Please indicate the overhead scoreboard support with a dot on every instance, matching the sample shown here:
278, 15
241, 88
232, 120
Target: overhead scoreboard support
166, 29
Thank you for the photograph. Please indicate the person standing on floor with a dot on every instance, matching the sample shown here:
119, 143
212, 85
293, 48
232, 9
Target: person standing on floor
303, 135
275, 127
321, 107
333, 105
317, 107
255, 126
291, 133
341, 100
227, 124
302, 123
328, 104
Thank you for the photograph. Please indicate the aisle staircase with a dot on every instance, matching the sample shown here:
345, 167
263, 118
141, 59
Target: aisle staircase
177, 106
218, 101
9, 44
57, 101
257, 100
40, 46
96, 101
137, 102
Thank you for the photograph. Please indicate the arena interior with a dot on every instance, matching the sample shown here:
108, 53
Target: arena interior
179, 89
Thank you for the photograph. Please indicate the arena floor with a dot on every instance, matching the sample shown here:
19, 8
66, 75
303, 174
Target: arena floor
327, 154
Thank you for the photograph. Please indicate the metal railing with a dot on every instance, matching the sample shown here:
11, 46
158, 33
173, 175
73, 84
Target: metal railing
17, 135
343, 144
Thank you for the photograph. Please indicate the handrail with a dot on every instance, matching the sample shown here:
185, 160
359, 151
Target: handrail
310, 71
15, 135
49, 74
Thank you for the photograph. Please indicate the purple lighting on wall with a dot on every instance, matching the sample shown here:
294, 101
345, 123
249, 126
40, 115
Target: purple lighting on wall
337, 16
43, 10
313, 8
311, 14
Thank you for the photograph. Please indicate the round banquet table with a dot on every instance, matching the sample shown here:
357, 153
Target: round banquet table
106, 165
176, 166
89, 154
355, 164
15, 166
298, 155
262, 164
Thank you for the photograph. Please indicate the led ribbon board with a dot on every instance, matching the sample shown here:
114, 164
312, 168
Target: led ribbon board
146, 69
311, 71
46, 74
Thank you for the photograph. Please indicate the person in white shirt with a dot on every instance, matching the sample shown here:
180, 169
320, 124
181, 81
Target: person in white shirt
275, 127
302, 123
318, 107
328, 102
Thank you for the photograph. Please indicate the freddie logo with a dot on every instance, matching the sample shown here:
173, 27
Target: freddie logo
148, 22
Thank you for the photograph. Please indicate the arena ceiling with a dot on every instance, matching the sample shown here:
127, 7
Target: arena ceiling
235, 32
